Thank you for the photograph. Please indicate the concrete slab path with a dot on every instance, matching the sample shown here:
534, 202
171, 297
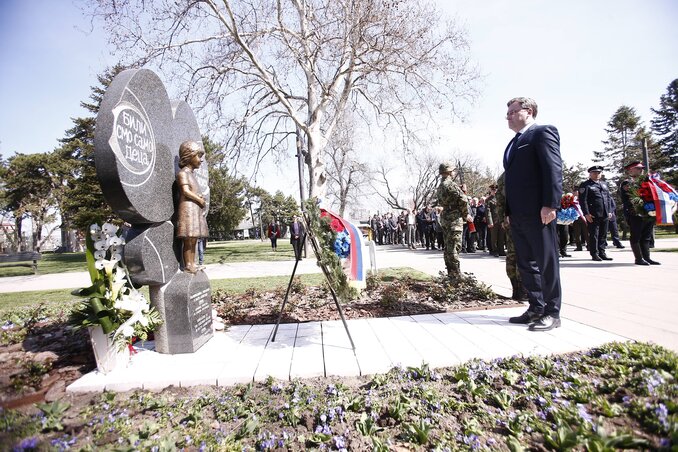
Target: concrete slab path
246, 353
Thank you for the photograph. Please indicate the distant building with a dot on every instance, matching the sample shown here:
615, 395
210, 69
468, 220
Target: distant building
245, 229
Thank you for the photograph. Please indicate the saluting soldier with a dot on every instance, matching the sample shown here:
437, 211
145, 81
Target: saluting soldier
596, 204
455, 212
642, 226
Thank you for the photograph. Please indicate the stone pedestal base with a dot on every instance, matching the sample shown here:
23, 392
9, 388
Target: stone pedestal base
185, 305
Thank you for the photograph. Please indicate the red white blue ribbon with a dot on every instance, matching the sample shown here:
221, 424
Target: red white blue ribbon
664, 197
355, 260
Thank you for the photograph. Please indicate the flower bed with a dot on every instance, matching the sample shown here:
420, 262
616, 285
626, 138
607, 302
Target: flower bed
621, 395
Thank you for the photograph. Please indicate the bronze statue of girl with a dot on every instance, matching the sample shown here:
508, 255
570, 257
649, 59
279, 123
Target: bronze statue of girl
191, 222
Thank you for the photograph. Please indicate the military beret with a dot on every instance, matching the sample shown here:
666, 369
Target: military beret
635, 164
446, 167
596, 168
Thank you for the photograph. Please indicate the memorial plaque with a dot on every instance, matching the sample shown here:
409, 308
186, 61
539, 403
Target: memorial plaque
185, 303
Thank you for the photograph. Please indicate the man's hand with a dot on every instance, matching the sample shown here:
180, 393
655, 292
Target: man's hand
589, 218
469, 219
547, 215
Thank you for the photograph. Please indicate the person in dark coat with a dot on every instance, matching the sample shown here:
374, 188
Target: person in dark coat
297, 236
533, 172
641, 225
596, 204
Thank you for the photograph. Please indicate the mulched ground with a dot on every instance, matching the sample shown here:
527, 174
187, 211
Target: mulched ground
384, 299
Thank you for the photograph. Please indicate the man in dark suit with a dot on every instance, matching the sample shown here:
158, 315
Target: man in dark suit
534, 181
297, 236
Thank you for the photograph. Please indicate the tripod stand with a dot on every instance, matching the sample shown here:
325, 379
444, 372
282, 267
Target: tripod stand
316, 249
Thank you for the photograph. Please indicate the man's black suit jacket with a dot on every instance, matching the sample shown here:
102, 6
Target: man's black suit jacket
533, 172
302, 232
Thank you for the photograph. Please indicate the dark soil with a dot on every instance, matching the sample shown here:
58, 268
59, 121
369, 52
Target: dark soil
39, 367
405, 296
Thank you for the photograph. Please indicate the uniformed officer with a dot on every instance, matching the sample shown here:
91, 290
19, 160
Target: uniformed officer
455, 213
519, 292
642, 226
596, 204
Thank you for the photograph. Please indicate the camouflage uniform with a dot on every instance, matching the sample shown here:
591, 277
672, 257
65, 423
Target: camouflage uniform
511, 264
455, 209
496, 244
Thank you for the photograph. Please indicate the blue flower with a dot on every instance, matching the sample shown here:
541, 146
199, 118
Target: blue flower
342, 244
26, 444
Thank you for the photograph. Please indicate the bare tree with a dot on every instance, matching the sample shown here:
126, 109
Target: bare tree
262, 68
347, 176
413, 185
476, 176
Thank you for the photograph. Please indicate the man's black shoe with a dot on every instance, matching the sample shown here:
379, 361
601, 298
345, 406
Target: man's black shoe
641, 262
596, 258
605, 258
545, 323
525, 318
565, 255
619, 245
579, 248
502, 254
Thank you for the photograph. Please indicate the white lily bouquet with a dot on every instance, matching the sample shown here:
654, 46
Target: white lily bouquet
112, 301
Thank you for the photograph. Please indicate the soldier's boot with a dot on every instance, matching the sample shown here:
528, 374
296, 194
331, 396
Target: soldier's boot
635, 247
595, 257
645, 250
519, 292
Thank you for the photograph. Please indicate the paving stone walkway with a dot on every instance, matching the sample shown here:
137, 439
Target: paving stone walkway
246, 353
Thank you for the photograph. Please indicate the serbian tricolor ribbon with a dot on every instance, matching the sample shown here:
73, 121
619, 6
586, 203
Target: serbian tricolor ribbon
575, 203
355, 259
664, 197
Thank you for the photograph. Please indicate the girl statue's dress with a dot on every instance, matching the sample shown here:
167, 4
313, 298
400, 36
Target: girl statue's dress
192, 222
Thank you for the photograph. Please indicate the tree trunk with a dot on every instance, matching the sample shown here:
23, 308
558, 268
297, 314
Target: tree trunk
17, 231
317, 178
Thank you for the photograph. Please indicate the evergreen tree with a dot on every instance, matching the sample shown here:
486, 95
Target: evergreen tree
29, 185
226, 192
665, 127
81, 201
573, 176
621, 145
278, 207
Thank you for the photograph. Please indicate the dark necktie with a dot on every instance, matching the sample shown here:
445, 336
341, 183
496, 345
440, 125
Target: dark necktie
513, 143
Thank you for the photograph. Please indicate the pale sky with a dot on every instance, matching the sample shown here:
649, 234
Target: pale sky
579, 59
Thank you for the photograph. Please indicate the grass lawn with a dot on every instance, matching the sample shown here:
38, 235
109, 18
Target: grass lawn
216, 252
61, 299
665, 232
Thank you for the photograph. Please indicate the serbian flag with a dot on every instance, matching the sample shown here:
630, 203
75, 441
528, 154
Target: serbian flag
355, 268
664, 197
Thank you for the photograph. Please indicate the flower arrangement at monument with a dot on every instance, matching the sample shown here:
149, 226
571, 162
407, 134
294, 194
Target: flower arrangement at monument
569, 210
652, 197
112, 303
335, 245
